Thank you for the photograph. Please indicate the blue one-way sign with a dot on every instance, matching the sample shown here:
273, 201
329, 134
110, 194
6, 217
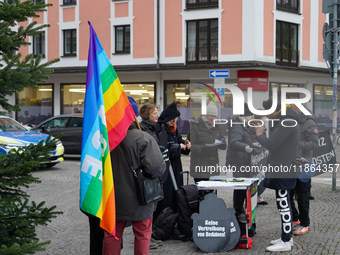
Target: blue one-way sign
219, 73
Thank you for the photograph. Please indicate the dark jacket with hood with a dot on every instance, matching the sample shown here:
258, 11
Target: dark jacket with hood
201, 158
239, 137
309, 136
283, 149
175, 152
141, 149
150, 128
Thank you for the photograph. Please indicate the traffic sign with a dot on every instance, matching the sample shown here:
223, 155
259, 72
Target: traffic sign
219, 73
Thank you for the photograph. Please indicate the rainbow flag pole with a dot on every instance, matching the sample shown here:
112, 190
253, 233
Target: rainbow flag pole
107, 116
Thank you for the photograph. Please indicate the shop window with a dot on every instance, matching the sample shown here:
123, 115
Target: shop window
202, 42
36, 104
287, 53
141, 92
72, 98
70, 42
195, 4
122, 35
39, 44
288, 5
323, 102
73, 95
279, 87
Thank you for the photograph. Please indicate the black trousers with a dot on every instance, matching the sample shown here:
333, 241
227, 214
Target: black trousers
302, 193
239, 199
96, 236
283, 205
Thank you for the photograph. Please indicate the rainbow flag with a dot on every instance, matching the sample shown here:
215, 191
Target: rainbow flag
107, 116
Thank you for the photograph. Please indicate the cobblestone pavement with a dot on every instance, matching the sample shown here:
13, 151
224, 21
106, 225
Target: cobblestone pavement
69, 232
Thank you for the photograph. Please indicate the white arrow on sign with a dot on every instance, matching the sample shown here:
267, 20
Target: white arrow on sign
213, 73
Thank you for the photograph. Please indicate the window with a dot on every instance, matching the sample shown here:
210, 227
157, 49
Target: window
279, 86
36, 104
39, 44
56, 123
38, 1
287, 53
122, 35
202, 42
70, 42
193, 4
288, 5
69, 1
9, 1
323, 104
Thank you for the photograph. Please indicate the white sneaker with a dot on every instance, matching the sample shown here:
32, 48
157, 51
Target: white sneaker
280, 246
278, 240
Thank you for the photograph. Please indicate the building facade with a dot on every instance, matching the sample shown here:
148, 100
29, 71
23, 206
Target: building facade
161, 50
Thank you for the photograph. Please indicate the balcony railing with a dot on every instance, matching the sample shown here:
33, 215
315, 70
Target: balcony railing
202, 55
288, 5
194, 4
287, 57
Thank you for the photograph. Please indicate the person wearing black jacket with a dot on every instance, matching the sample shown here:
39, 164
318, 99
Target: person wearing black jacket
206, 139
177, 146
239, 154
309, 139
283, 149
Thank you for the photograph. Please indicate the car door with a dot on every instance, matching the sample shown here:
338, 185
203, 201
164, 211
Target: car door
56, 126
74, 135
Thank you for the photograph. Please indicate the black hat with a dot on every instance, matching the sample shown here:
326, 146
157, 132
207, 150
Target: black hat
169, 113
247, 112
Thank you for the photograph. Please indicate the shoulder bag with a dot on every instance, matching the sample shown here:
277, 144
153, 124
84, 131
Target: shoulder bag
149, 190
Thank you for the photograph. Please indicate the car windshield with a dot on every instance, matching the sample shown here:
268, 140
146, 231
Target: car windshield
7, 125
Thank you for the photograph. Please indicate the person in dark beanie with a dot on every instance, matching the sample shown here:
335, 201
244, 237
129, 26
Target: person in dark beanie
283, 145
177, 146
239, 154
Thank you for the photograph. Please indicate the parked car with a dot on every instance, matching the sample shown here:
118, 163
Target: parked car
69, 124
13, 135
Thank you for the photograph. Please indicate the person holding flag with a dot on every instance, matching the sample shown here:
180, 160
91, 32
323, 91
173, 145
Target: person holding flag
107, 117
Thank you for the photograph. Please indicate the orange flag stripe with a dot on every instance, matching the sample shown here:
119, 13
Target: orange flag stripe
116, 113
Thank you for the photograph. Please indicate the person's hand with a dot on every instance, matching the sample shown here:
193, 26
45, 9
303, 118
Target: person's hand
259, 130
248, 149
257, 144
183, 147
188, 144
223, 145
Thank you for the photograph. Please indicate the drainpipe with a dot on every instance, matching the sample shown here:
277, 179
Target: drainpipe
157, 66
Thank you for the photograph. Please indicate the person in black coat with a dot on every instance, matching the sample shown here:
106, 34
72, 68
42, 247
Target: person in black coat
177, 146
239, 154
283, 149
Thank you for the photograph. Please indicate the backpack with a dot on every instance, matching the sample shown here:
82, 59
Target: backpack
164, 224
187, 200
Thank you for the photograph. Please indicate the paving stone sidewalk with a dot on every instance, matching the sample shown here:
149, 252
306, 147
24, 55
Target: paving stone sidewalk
69, 232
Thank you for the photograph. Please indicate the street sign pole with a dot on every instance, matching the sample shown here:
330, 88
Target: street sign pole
335, 80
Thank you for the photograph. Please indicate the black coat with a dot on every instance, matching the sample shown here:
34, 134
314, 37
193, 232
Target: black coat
200, 160
283, 149
175, 158
141, 149
309, 136
239, 137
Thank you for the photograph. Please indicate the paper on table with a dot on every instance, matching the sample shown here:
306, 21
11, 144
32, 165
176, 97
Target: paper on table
222, 184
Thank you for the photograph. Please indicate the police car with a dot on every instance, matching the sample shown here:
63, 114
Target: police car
13, 136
